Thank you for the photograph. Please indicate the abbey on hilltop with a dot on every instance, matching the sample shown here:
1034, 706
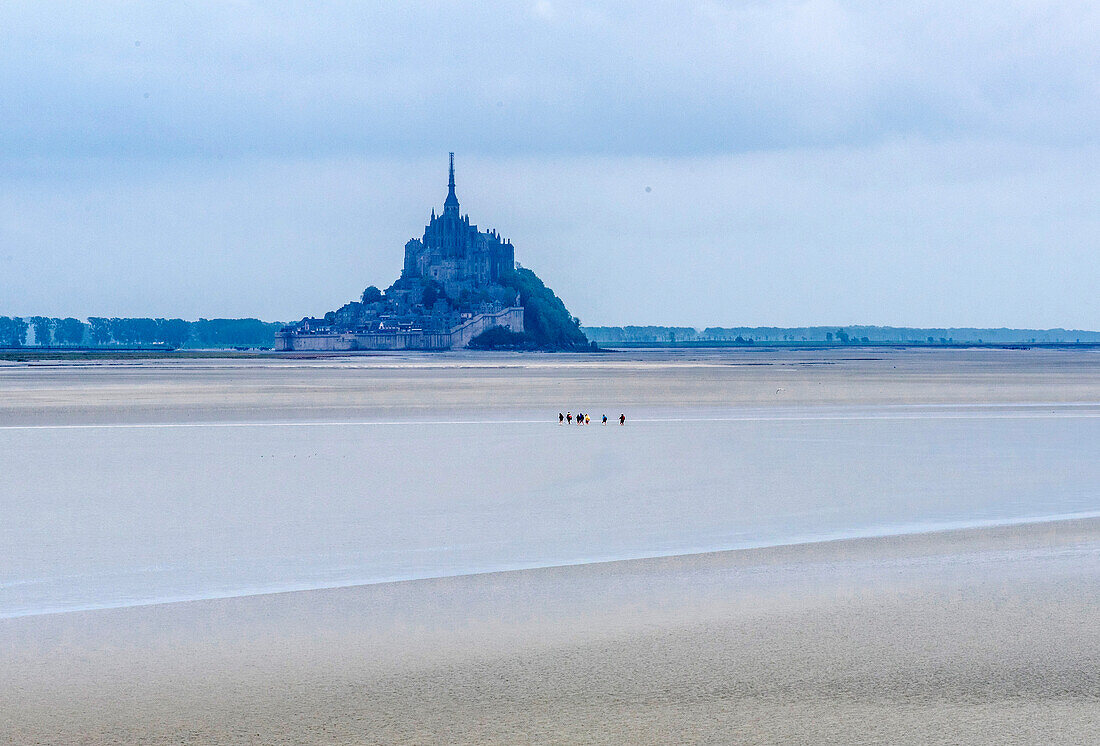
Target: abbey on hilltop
459, 287
454, 253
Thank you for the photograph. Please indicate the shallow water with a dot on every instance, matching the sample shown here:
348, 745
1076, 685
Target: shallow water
119, 514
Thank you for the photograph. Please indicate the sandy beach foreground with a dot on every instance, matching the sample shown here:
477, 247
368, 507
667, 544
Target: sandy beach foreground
974, 636
131, 483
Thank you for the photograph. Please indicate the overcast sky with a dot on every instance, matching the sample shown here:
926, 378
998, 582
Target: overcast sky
707, 163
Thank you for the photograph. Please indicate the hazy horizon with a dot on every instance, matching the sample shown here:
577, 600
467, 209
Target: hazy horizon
704, 164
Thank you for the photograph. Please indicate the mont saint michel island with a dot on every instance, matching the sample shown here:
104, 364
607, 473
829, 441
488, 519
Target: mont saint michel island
459, 287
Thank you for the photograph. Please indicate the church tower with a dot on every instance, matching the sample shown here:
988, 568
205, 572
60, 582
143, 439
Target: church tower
451, 222
450, 206
454, 252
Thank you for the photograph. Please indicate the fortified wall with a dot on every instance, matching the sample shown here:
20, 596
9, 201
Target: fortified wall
404, 339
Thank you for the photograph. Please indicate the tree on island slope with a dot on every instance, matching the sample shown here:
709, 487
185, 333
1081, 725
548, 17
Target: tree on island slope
500, 338
546, 321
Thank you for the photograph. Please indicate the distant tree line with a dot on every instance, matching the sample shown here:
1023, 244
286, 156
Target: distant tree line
612, 335
99, 331
13, 331
641, 334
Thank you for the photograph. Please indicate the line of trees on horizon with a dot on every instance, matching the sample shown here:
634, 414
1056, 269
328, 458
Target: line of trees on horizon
98, 331
611, 335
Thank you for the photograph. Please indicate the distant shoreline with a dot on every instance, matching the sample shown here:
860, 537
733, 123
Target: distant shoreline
852, 345
227, 336
31, 353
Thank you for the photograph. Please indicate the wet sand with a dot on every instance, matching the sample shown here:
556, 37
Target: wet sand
500, 385
976, 636
985, 635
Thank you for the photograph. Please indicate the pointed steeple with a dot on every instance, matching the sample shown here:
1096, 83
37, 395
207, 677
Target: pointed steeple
451, 204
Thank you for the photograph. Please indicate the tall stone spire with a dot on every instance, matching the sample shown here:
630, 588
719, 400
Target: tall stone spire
451, 204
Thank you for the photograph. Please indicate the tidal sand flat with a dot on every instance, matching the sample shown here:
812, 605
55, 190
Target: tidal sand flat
984, 636
835, 546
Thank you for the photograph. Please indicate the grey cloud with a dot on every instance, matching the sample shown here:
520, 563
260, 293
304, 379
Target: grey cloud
557, 78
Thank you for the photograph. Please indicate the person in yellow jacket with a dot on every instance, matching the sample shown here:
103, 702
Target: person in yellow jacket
587, 420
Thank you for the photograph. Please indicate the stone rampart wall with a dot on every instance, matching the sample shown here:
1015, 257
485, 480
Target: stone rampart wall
457, 338
510, 318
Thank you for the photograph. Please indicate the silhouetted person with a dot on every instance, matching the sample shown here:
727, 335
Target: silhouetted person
561, 418
569, 416
622, 419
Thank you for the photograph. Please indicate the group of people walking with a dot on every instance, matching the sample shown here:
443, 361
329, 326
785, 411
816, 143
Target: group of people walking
584, 419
